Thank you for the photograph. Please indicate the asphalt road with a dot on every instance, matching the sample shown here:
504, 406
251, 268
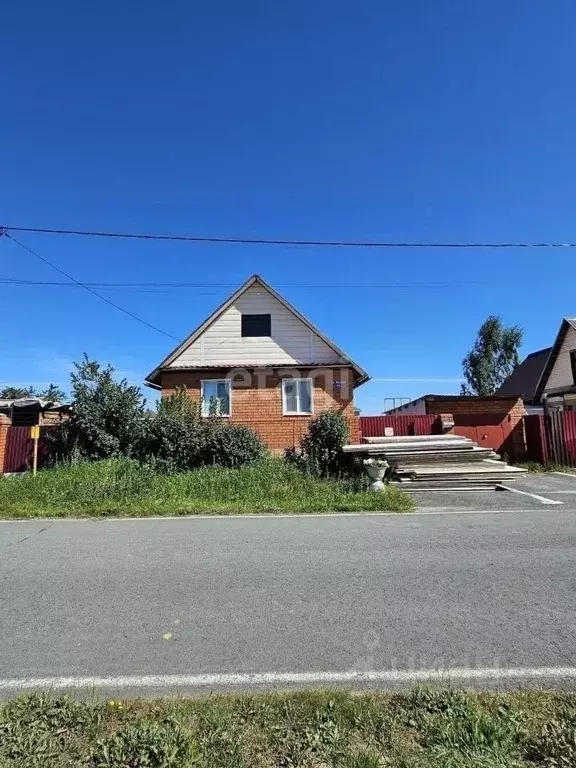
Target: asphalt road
292, 598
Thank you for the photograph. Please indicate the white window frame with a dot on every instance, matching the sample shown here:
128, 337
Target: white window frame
285, 412
205, 404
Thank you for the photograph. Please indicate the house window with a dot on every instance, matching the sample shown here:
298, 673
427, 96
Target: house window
256, 325
296, 397
216, 397
573, 364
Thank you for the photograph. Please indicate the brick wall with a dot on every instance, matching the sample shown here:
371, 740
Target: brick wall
257, 399
471, 404
4, 424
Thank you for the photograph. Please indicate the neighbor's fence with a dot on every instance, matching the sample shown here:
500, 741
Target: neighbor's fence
489, 430
561, 434
19, 449
374, 426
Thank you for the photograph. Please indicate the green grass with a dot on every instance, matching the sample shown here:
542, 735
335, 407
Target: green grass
123, 488
423, 729
536, 467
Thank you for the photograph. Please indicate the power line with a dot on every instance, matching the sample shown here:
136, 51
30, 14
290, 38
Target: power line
150, 286
277, 241
88, 288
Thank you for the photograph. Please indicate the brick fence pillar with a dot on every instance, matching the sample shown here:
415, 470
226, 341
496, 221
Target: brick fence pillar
4, 424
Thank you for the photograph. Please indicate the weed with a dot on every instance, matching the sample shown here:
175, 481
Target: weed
469, 732
146, 745
36, 729
555, 745
424, 729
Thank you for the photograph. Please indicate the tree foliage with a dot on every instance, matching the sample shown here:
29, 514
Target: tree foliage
106, 418
492, 358
52, 392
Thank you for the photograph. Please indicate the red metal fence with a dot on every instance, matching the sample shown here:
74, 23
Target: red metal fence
19, 449
489, 430
374, 426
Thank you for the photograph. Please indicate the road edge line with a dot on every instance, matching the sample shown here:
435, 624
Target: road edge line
235, 679
541, 499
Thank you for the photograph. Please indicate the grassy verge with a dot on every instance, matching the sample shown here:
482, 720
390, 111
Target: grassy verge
424, 729
535, 467
123, 488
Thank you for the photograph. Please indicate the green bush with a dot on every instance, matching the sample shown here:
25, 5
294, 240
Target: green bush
146, 745
179, 438
233, 445
321, 448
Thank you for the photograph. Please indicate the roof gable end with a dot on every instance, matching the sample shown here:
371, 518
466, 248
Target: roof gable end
567, 324
220, 334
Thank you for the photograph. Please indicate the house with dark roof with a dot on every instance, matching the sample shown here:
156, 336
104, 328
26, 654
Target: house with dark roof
257, 361
523, 381
556, 389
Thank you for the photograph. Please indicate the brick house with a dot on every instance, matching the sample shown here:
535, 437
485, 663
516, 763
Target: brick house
257, 361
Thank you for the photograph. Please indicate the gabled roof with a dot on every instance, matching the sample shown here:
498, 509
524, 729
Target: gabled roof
567, 322
523, 381
360, 374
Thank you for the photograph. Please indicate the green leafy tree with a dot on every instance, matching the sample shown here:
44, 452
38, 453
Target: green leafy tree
14, 393
53, 393
492, 358
106, 419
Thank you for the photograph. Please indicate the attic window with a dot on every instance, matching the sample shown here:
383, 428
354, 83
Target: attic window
256, 325
573, 364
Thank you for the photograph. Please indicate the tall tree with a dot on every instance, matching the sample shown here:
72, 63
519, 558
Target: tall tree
15, 393
492, 358
54, 393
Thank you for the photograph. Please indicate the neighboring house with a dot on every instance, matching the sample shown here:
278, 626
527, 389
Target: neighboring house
556, 389
257, 361
523, 381
30, 411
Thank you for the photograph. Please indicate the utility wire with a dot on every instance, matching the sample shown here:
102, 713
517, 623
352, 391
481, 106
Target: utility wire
276, 241
10, 281
88, 288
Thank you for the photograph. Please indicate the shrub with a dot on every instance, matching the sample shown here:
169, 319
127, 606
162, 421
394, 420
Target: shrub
173, 440
322, 445
178, 438
145, 745
233, 445
106, 418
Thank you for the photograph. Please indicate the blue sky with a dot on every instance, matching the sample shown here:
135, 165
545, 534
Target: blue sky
330, 120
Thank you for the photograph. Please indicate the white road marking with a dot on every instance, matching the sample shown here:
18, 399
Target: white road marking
541, 499
286, 678
265, 516
566, 474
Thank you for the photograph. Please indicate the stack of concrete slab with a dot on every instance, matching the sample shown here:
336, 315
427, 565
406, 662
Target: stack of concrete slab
442, 462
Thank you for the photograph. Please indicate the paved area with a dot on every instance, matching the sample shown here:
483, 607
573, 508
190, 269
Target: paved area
193, 601
536, 489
